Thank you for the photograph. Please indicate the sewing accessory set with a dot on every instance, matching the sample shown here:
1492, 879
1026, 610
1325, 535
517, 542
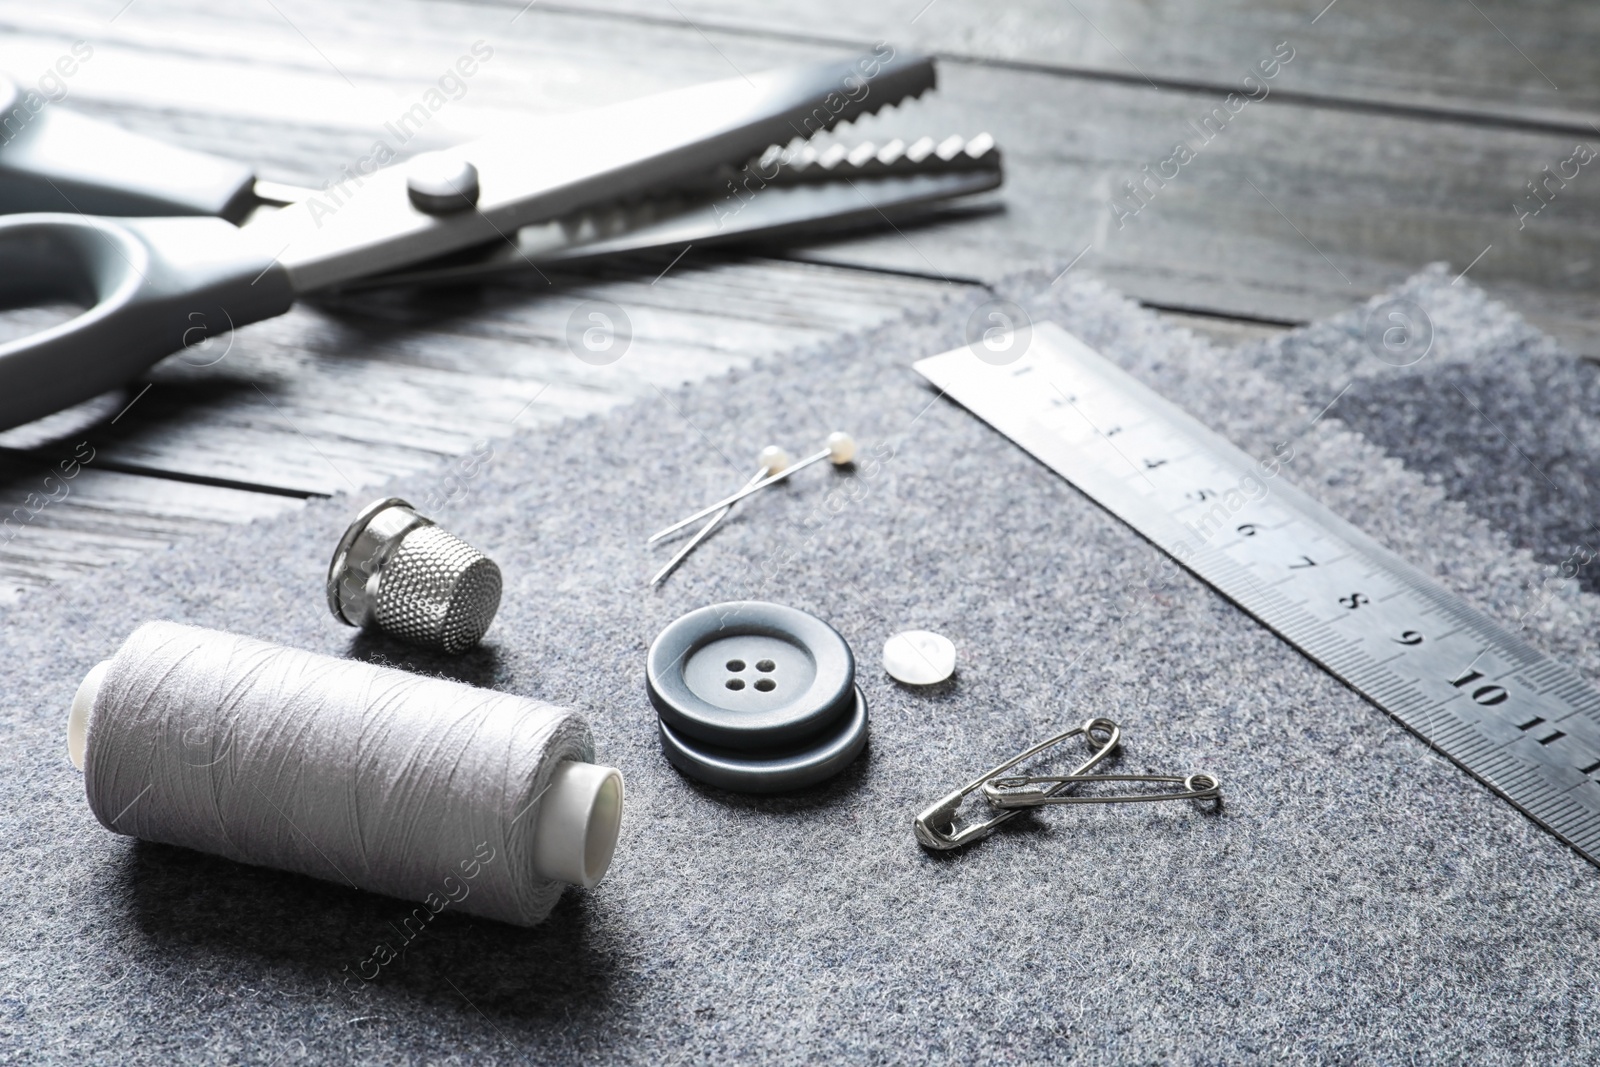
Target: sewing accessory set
216, 741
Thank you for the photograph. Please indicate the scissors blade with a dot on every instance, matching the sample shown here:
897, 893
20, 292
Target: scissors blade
783, 211
556, 166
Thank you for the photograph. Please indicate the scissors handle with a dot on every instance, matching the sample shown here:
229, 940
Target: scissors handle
149, 287
53, 159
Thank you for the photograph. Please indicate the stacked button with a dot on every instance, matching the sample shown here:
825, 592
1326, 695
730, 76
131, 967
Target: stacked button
755, 697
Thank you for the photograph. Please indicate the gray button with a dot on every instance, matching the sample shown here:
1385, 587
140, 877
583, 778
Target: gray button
775, 772
751, 672
756, 697
750, 675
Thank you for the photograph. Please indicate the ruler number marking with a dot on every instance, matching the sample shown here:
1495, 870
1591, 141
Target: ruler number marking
1487, 695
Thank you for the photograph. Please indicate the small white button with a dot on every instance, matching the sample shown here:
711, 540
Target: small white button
919, 657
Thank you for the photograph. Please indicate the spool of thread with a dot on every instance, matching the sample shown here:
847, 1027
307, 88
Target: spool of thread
361, 775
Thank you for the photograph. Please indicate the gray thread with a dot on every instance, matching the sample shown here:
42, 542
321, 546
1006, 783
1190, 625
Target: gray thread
357, 774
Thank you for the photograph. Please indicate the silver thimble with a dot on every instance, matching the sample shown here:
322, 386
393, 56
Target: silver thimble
395, 571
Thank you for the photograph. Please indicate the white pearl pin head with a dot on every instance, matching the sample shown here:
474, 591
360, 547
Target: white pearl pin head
919, 657
773, 459
841, 448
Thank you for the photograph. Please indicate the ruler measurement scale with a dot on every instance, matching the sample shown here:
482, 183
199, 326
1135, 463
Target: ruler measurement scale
1522, 723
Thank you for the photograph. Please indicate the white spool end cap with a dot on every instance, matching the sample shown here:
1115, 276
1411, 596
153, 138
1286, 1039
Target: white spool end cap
579, 817
919, 657
82, 705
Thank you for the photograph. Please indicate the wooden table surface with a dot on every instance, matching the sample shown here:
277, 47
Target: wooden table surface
1393, 136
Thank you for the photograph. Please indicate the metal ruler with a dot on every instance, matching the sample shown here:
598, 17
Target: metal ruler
1521, 723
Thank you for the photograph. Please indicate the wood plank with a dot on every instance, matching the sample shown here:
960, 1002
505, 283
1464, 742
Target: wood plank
1220, 330
55, 528
1377, 195
249, 82
1490, 62
1289, 213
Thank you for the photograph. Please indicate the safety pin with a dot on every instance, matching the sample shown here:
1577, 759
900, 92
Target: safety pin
936, 827
1016, 791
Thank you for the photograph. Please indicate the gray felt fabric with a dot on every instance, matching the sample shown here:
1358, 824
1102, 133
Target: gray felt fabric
1359, 899
1491, 411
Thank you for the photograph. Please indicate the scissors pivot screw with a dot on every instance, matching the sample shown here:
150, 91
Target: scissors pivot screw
441, 184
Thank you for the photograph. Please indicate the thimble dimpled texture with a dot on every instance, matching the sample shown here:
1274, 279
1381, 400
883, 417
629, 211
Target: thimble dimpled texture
438, 591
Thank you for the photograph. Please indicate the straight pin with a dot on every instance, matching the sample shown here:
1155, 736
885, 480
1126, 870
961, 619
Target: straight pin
840, 450
773, 460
